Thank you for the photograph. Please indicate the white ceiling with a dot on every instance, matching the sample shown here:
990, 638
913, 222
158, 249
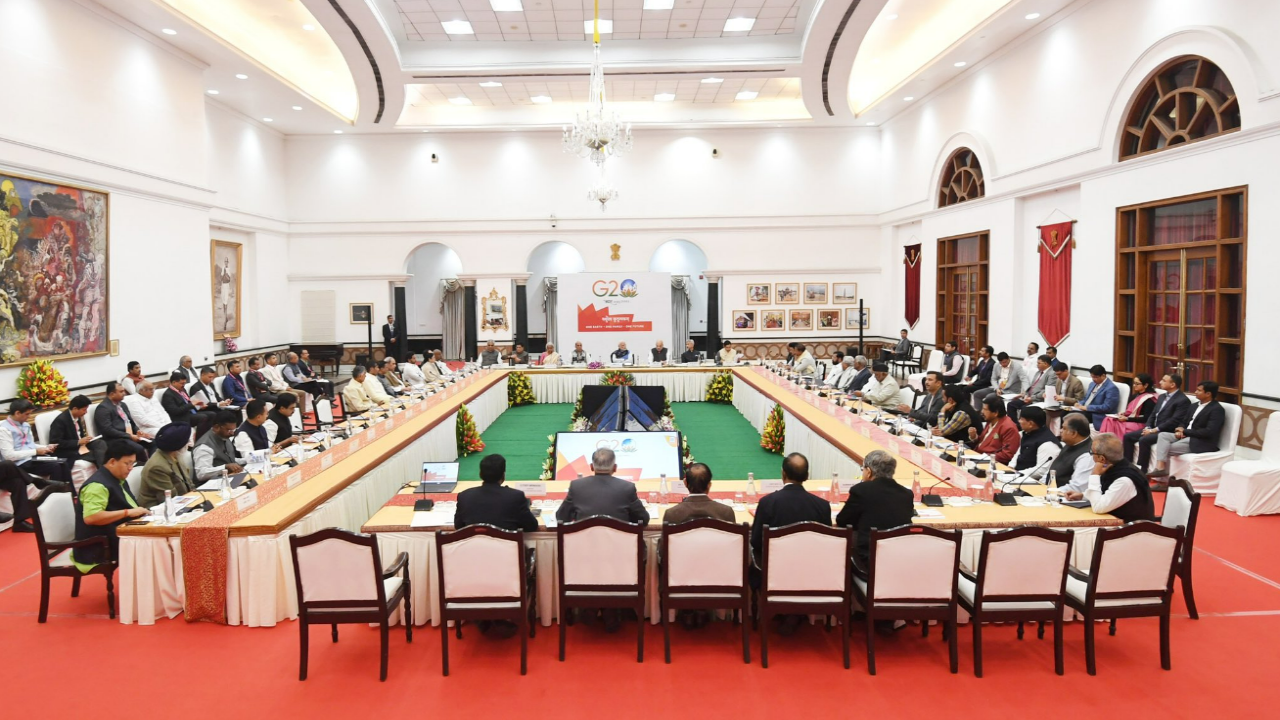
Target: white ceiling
686, 91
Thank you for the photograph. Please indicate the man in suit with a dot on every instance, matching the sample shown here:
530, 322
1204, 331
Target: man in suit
298, 375
1068, 387
855, 379
14, 480
492, 503
188, 370
698, 503
1034, 392
181, 408
1007, 378
901, 350
879, 502
979, 377
390, 342
74, 442
602, 494
690, 354
207, 386
259, 385
1170, 413
1199, 435
490, 355
952, 364
233, 387
791, 504
303, 366
1101, 399
930, 404
658, 353
114, 421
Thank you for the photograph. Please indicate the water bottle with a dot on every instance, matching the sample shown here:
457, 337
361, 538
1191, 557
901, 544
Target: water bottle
224, 488
991, 467
988, 490
662, 488
1053, 479
835, 488
916, 492
168, 507
751, 487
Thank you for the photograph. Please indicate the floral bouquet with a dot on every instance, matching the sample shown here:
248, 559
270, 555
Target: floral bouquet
229, 345
618, 378
42, 385
720, 389
596, 365
468, 438
774, 437
519, 390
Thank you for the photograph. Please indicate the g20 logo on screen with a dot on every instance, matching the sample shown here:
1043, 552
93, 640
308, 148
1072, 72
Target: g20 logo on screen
612, 288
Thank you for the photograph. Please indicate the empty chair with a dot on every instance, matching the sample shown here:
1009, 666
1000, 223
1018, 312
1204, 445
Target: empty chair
1182, 509
602, 563
913, 575
324, 413
916, 379
339, 579
908, 397
1204, 470
1131, 575
89, 424
43, 423
484, 575
1252, 487
1022, 575
807, 569
703, 566
55, 524
295, 420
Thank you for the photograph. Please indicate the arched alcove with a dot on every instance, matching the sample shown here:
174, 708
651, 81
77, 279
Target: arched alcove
549, 259
428, 264
681, 257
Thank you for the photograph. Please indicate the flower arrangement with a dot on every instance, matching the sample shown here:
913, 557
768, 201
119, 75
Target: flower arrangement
42, 385
229, 345
519, 390
618, 378
549, 462
468, 439
775, 431
595, 365
720, 389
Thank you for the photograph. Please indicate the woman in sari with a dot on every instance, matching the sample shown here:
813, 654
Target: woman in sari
1134, 417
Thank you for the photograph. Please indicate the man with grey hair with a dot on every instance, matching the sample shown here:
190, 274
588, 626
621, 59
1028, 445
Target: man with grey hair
147, 413
857, 378
838, 369
602, 494
879, 502
1116, 486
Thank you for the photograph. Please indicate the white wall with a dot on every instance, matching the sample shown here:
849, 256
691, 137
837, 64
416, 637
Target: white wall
246, 162
428, 264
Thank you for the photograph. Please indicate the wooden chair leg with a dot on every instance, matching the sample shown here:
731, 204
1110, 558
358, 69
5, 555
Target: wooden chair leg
1166, 659
408, 614
444, 647
111, 595
1090, 662
303, 645
457, 628
977, 646
1111, 630
561, 623
844, 638
871, 642
75, 586
924, 628
384, 628
524, 644
335, 632
954, 648
764, 639
1057, 644
1020, 629
44, 597
1188, 593
746, 637
666, 631
1040, 631
640, 634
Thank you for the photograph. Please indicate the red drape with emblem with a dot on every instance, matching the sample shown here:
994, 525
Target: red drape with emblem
1055, 282
911, 263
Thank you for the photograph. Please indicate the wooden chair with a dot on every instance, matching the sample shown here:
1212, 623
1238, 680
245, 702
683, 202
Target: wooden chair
485, 575
602, 562
340, 579
913, 575
1022, 577
1182, 509
908, 364
807, 569
1131, 575
702, 565
55, 525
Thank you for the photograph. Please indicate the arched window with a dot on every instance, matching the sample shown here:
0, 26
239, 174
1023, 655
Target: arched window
1187, 99
961, 179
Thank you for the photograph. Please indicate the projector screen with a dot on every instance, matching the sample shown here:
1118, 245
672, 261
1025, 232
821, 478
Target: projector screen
601, 310
641, 455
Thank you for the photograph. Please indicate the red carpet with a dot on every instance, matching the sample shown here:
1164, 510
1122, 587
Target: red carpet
1221, 663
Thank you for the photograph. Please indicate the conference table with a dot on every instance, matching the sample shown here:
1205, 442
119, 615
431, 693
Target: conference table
232, 565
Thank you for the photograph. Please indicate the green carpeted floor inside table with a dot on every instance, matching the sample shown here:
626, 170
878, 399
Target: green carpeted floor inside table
718, 436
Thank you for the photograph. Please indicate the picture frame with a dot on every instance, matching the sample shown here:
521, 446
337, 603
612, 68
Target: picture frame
829, 320
495, 312
744, 320
815, 293
800, 320
787, 293
773, 320
226, 269
759, 293
844, 293
851, 319
360, 313
55, 276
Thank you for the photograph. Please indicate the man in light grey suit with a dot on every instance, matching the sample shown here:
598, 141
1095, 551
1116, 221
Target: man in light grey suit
1034, 392
602, 494
1007, 379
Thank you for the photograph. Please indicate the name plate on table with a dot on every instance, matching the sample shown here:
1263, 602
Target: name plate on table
847, 485
677, 487
865, 431
531, 489
768, 486
293, 480
246, 501
935, 467
916, 457
354, 443
326, 462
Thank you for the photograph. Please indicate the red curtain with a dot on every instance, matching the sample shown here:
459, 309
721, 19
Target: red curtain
1055, 281
911, 261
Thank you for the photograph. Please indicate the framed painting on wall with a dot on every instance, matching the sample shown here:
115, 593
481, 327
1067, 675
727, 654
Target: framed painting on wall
787, 293
53, 271
758, 294
361, 313
854, 321
815, 293
828, 319
844, 293
744, 319
801, 319
774, 319
225, 259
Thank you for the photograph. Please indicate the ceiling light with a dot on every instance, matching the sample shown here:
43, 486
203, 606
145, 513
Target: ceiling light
212, 92
664, 97
169, 31
308, 27
871, 124
267, 120
746, 95
540, 99
712, 80
961, 64
457, 27
461, 100
506, 5
241, 76
297, 107
909, 98
491, 83
1033, 16
659, 4
606, 26
891, 17
739, 24
337, 132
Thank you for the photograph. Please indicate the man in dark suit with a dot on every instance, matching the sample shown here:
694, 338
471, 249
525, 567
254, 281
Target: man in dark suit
233, 387
791, 504
207, 386
72, 437
1170, 413
1199, 435
980, 376
877, 503
390, 342
492, 503
178, 404
856, 378
602, 494
259, 386
930, 404
698, 504
113, 420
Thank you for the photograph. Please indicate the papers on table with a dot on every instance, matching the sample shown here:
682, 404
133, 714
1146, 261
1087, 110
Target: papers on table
432, 518
929, 513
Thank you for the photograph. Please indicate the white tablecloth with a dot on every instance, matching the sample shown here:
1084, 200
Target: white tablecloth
563, 387
751, 403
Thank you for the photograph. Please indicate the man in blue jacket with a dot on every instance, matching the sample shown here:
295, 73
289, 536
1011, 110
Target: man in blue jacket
1101, 398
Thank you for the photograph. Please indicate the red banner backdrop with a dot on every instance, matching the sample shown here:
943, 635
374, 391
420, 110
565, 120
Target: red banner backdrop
911, 261
1055, 281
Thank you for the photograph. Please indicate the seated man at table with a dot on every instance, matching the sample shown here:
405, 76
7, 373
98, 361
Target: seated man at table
791, 353
979, 376
1072, 466
304, 370
884, 393
441, 367
621, 355
1034, 391
412, 373
133, 377
279, 422
838, 368
354, 398
579, 356
728, 354
373, 385
879, 502
1116, 486
181, 408
1101, 399
698, 503
1000, 438
519, 356
1068, 387
169, 467
549, 356
259, 385
233, 387
791, 504
214, 451
952, 363
957, 415
492, 503
1007, 378
858, 375
274, 374
18, 445
929, 405
1200, 433
77, 448
114, 422
1171, 411
1038, 444
252, 433
658, 353
490, 355
105, 503
392, 385
293, 375
900, 351
603, 494
690, 355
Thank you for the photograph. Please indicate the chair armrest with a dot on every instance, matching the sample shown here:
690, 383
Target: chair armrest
1077, 573
969, 574
402, 560
87, 542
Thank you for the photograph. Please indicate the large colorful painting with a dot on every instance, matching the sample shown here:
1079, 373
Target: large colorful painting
53, 271
226, 259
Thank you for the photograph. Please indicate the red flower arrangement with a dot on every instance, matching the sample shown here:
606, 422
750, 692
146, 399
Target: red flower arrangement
468, 438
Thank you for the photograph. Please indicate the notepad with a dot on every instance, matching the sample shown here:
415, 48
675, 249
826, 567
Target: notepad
432, 518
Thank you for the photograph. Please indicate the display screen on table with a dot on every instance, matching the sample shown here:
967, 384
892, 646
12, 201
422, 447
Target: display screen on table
439, 477
640, 455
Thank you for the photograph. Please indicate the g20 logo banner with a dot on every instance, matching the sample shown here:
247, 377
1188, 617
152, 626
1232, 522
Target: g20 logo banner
612, 288
600, 309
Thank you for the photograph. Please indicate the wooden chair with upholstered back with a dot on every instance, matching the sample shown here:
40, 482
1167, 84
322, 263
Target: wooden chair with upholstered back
55, 525
806, 570
702, 565
602, 565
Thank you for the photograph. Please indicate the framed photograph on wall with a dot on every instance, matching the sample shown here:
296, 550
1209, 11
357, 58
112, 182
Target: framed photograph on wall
801, 320
53, 271
758, 294
787, 293
773, 319
744, 319
225, 259
852, 320
844, 293
361, 313
828, 319
815, 293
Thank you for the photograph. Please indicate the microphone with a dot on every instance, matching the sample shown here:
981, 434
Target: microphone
1009, 499
931, 498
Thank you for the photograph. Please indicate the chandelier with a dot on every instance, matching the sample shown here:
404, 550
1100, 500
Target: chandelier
597, 134
601, 191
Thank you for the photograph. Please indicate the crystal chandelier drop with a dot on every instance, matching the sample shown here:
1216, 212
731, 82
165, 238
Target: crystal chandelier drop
597, 134
601, 191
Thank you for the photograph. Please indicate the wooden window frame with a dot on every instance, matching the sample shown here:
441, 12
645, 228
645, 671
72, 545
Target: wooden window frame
962, 178
1141, 118
944, 326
